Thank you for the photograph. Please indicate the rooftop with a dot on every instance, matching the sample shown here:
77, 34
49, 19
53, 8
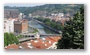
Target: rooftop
20, 21
12, 46
41, 43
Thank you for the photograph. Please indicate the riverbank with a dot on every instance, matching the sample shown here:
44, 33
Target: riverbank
32, 30
42, 29
58, 32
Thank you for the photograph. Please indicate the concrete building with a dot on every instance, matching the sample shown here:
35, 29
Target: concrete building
9, 25
21, 26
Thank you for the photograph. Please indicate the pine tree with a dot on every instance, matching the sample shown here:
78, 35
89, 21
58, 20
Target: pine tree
73, 32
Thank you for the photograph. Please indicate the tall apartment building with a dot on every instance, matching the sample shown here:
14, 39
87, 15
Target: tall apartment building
9, 25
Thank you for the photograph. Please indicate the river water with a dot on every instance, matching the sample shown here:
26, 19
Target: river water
41, 29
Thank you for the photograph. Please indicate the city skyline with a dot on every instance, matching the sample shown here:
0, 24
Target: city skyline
54, 26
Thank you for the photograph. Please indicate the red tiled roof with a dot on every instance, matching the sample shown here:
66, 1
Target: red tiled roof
37, 44
41, 45
24, 45
12, 46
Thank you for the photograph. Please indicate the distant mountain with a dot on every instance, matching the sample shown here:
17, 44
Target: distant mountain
49, 8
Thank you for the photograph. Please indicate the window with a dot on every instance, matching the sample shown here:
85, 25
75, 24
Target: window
4, 27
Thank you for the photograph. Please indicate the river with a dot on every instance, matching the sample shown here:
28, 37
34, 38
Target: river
41, 28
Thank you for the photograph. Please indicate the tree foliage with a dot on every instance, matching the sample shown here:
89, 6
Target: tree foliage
9, 38
73, 32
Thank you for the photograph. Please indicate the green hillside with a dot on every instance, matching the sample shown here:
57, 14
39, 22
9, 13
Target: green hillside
49, 8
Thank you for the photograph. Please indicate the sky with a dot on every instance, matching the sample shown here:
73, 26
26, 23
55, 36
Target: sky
23, 5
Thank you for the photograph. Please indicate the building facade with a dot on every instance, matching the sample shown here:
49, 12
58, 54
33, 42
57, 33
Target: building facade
21, 26
9, 25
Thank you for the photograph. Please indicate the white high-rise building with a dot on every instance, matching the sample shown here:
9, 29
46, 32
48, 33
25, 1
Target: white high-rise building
9, 25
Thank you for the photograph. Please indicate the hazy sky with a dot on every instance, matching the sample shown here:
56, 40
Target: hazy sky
22, 5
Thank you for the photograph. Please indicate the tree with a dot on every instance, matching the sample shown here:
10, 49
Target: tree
73, 32
47, 23
5, 39
9, 38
